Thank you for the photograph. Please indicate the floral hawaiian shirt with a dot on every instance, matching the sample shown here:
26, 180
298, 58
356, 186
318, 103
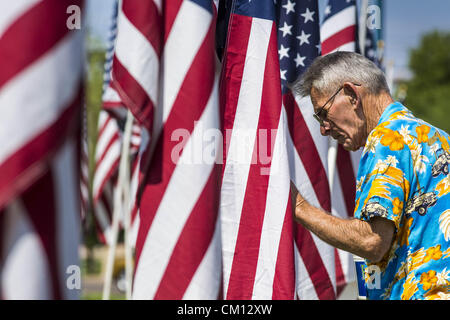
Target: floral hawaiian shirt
404, 177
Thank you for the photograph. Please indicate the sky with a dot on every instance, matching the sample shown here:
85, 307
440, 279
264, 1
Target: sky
405, 21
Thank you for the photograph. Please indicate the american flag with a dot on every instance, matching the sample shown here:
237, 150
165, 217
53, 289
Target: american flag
164, 71
266, 255
108, 149
84, 171
107, 157
40, 104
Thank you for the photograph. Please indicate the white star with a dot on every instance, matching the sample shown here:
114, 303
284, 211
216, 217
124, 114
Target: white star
319, 47
286, 29
289, 6
308, 15
299, 60
304, 37
283, 74
327, 10
283, 52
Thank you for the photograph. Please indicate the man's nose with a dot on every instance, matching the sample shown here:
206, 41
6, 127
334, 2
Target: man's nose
325, 130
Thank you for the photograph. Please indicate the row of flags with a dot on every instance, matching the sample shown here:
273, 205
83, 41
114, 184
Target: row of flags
215, 227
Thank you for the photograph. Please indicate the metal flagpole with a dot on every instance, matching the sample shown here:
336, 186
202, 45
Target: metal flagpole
127, 226
332, 156
390, 74
119, 206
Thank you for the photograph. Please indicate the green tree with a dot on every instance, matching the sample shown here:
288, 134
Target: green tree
429, 89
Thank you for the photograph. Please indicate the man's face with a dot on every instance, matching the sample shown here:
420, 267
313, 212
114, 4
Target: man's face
342, 116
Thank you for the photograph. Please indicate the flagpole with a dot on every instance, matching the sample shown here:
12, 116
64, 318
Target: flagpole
119, 206
112, 245
390, 74
332, 156
127, 214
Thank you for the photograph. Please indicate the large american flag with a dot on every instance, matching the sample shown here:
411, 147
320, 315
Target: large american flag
164, 71
266, 255
40, 102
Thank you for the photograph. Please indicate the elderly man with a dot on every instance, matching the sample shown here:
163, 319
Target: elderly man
402, 210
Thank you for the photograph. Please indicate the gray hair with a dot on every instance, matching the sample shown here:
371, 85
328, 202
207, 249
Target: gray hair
329, 72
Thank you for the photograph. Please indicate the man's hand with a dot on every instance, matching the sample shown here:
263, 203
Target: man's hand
370, 240
297, 199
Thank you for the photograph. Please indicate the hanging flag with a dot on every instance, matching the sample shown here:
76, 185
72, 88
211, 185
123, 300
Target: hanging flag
109, 147
40, 104
374, 44
84, 170
164, 71
266, 255
107, 156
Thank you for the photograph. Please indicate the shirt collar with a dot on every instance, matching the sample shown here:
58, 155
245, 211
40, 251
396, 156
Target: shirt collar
390, 110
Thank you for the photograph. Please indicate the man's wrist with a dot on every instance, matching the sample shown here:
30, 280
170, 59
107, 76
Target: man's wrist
301, 208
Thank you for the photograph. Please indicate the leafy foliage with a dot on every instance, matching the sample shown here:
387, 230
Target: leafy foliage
429, 90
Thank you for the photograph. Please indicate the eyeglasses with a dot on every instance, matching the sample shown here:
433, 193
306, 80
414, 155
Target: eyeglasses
322, 114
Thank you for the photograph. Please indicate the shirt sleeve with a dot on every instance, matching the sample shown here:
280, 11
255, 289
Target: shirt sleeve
382, 186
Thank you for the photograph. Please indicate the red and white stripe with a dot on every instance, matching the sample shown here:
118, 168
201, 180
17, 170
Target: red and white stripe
84, 170
337, 33
107, 157
317, 267
178, 242
343, 200
255, 209
40, 101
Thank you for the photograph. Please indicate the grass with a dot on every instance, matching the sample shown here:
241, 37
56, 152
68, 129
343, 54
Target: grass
98, 296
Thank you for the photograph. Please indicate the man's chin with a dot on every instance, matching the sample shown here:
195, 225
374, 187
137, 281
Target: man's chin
349, 146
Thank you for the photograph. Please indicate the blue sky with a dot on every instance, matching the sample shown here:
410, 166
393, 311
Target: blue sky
404, 23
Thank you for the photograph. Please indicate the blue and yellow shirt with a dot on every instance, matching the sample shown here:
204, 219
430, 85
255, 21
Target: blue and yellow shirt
404, 177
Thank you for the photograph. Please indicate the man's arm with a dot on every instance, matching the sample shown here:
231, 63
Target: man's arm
370, 240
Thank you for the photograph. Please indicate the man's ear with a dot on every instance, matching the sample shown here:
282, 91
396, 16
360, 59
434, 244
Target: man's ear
351, 91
